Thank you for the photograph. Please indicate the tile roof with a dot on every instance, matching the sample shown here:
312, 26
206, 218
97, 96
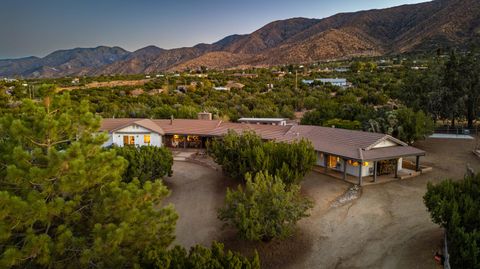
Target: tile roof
349, 144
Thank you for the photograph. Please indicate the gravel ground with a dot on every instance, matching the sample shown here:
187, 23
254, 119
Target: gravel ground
387, 227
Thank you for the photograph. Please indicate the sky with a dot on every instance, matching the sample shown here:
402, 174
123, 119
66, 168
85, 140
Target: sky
39, 27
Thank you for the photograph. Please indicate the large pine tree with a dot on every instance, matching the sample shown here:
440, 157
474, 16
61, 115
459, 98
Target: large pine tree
62, 201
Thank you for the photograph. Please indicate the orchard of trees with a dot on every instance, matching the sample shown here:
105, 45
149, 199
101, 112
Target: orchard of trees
455, 205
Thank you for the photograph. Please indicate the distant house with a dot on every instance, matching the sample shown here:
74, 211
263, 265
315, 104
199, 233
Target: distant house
136, 92
155, 91
230, 85
245, 75
234, 85
340, 82
221, 88
342, 69
279, 73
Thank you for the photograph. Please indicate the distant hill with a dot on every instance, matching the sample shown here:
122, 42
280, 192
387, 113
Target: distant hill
407, 28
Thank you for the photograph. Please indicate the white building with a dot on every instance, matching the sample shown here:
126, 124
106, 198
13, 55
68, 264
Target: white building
142, 132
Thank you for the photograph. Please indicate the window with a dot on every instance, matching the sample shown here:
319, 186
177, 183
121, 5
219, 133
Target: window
146, 139
128, 140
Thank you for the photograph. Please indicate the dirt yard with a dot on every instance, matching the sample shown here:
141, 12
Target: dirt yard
387, 227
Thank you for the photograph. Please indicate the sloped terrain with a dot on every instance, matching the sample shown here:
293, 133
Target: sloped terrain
407, 28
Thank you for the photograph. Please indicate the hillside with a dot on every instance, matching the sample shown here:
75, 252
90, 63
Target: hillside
407, 28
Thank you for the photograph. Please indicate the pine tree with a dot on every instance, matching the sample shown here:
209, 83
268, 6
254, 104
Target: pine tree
62, 201
265, 209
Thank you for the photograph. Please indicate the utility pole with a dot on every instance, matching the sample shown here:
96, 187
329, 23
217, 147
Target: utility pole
296, 80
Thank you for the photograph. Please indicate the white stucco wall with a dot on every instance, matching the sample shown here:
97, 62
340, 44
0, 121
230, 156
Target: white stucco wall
352, 170
138, 132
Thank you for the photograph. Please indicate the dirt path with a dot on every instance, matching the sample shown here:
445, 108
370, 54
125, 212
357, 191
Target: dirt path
388, 227
197, 193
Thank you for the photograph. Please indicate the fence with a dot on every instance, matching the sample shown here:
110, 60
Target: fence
446, 256
456, 131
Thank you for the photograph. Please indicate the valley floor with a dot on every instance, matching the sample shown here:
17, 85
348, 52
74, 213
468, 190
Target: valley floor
387, 227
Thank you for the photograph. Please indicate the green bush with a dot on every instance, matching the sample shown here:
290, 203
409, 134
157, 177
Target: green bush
200, 257
265, 209
146, 162
247, 153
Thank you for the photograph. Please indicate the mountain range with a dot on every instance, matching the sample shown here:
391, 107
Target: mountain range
408, 28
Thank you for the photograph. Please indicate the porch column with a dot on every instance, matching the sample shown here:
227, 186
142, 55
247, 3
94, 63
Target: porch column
325, 162
344, 169
375, 163
360, 179
396, 168
417, 164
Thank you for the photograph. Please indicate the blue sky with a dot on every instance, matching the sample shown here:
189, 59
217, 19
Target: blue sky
38, 27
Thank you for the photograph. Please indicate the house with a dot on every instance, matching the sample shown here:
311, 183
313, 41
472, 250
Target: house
245, 75
221, 88
155, 91
342, 69
234, 85
339, 82
136, 92
345, 152
269, 121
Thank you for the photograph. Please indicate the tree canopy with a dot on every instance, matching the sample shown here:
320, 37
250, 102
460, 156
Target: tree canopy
265, 209
247, 153
62, 201
455, 205
146, 163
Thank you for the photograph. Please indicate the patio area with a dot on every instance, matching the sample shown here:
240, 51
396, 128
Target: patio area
408, 171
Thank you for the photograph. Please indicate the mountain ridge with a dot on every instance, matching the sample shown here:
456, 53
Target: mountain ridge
400, 29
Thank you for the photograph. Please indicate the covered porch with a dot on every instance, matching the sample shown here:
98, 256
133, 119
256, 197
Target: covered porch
186, 141
367, 172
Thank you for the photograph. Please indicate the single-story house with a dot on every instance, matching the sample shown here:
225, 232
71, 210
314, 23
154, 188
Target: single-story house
340, 82
348, 152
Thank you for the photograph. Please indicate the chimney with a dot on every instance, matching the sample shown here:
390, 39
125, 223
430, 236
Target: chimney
204, 115
171, 119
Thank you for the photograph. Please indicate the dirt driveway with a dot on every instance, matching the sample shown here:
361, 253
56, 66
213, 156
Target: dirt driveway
388, 227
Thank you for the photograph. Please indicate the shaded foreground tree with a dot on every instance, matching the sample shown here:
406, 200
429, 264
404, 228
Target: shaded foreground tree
62, 201
247, 153
265, 209
456, 207
146, 162
201, 258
